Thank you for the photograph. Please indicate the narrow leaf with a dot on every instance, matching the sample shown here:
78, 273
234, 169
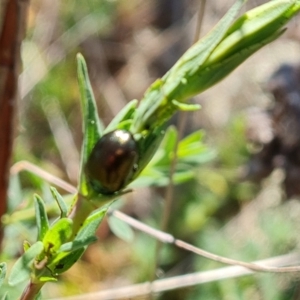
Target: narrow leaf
192, 150
186, 106
5, 297
248, 34
121, 229
42, 222
92, 127
171, 85
60, 201
170, 138
2, 273
72, 246
58, 234
254, 26
168, 145
47, 279
216, 72
125, 114
64, 261
196, 136
148, 146
91, 224
22, 268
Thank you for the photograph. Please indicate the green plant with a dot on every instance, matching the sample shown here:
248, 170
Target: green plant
60, 244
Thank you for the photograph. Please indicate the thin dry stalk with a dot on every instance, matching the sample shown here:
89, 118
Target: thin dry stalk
183, 281
49, 57
169, 195
27, 166
161, 236
200, 17
63, 138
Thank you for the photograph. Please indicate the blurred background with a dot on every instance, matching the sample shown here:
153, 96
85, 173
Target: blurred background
242, 203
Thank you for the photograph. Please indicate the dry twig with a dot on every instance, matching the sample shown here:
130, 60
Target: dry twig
160, 235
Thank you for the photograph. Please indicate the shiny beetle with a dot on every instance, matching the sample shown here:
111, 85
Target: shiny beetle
112, 162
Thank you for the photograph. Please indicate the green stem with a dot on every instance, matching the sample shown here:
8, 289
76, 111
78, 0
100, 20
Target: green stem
81, 210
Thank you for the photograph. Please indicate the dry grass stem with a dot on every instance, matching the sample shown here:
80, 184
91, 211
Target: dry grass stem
183, 281
160, 235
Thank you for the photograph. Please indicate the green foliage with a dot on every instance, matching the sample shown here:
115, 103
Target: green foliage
42, 222
244, 244
92, 126
213, 58
60, 202
2, 273
191, 153
121, 229
203, 65
57, 234
70, 252
22, 269
123, 119
62, 243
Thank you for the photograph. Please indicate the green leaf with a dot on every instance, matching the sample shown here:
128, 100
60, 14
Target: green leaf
60, 201
167, 146
196, 136
125, 114
5, 297
148, 145
22, 268
212, 59
72, 246
2, 273
211, 75
192, 150
149, 177
92, 127
42, 222
65, 260
156, 106
248, 34
161, 177
58, 234
164, 179
121, 229
91, 224
169, 142
190, 153
254, 26
47, 279
186, 106
183, 176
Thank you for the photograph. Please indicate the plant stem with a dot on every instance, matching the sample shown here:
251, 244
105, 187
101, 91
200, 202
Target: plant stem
79, 212
32, 291
11, 35
200, 17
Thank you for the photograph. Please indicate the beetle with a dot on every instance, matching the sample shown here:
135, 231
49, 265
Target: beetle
112, 162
